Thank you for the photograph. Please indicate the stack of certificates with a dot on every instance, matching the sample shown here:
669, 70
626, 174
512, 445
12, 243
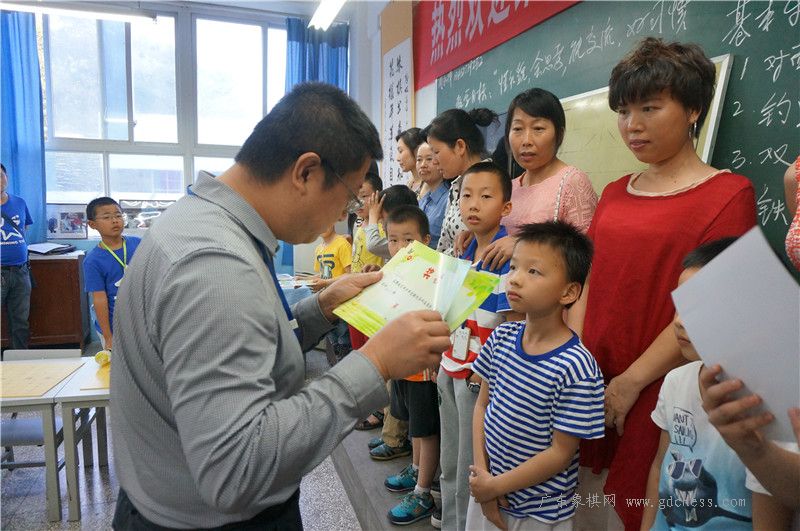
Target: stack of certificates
419, 278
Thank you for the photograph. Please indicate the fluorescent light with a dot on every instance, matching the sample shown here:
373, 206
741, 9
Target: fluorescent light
79, 10
325, 13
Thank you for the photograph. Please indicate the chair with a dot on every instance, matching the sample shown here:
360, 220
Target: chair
28, 431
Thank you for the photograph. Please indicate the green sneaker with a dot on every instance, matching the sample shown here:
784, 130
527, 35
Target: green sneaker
385, 452
405, 481
375, 442
412, 508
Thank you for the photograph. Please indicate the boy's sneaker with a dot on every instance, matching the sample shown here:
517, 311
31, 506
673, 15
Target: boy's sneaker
384, 452
436, 490
375, 442
436, 518
405, 481
412, 508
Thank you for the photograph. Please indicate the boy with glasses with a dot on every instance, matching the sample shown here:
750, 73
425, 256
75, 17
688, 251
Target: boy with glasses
105, 265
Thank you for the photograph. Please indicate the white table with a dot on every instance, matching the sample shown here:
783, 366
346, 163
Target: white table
46, 405
71, 396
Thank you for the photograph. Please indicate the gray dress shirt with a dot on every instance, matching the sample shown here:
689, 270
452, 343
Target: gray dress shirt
212, 420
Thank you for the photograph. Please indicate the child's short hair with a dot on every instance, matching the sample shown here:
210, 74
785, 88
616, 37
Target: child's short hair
574, 247
488, 166
396, 196
702, 255
373, 177
413, 213
94, 204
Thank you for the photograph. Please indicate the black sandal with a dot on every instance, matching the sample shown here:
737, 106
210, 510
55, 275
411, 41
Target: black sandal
364, 424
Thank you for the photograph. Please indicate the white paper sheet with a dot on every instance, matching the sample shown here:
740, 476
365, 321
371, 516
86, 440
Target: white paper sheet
742, 311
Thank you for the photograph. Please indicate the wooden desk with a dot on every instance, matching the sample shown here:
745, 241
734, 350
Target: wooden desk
46, 405
59, 306
71, 396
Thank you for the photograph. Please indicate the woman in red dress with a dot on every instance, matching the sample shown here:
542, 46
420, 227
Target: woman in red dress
644, 225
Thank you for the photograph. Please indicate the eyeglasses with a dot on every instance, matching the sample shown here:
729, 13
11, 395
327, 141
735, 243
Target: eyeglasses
113, 217
354, 204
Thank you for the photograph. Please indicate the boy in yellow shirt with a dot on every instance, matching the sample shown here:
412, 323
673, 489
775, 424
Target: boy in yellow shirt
333, 260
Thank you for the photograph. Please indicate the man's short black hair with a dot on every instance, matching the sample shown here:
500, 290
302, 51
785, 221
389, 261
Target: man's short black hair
397, 196
701, 256
313, 117
487, 166
575, 248
94, 204
2, 167
413, 213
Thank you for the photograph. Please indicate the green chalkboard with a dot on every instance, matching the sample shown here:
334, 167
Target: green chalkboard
574, 52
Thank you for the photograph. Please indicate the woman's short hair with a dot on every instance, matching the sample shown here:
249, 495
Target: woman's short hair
539, 103
654, 65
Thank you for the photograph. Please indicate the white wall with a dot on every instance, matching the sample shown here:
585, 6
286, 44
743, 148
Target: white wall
425, 105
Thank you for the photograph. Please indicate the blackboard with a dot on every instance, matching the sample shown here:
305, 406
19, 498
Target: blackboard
574, 52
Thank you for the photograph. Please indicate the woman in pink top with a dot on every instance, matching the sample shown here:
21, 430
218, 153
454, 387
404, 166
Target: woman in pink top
792, 183
549, 188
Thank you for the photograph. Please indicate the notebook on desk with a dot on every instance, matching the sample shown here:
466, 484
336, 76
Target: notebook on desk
50, 248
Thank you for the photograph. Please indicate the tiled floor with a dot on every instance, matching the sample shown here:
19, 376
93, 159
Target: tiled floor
323, 502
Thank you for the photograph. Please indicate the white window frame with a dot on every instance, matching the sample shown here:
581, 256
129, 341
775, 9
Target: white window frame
185, 87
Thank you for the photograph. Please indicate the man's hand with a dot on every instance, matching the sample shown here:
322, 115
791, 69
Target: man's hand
408, 344
343, 289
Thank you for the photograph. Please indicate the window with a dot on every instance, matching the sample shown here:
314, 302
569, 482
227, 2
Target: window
213, 165
73, 177
229, 81
87, 77
155, 118
133, 109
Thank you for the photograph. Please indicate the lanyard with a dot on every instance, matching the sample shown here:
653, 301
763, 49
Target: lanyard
271, 266
124, 261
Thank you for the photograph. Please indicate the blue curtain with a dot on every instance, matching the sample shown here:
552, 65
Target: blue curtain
21, 136
314, 55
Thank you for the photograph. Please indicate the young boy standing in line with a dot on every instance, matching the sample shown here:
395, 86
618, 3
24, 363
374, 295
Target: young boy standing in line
484, 200
105, 265
696, 479
414, 399
393, 442
542, 391
332, 260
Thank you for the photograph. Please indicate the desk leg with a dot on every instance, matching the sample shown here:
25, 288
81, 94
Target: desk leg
51, 464
71, 463
102, 440
86, 440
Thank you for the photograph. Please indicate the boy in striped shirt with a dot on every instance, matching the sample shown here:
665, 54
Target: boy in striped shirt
541, 390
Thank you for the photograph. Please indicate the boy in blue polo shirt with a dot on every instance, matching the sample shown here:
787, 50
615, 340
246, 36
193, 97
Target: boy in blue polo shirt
16, 291
105, 265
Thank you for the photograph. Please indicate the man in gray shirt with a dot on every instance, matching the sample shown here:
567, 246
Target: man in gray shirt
213, 424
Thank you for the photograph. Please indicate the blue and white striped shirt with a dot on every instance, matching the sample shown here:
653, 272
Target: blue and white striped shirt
529, 397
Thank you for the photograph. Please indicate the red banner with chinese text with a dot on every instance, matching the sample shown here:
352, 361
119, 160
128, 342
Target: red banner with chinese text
449, 33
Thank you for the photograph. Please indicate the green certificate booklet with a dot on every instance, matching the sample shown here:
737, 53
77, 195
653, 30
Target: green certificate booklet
419, 278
